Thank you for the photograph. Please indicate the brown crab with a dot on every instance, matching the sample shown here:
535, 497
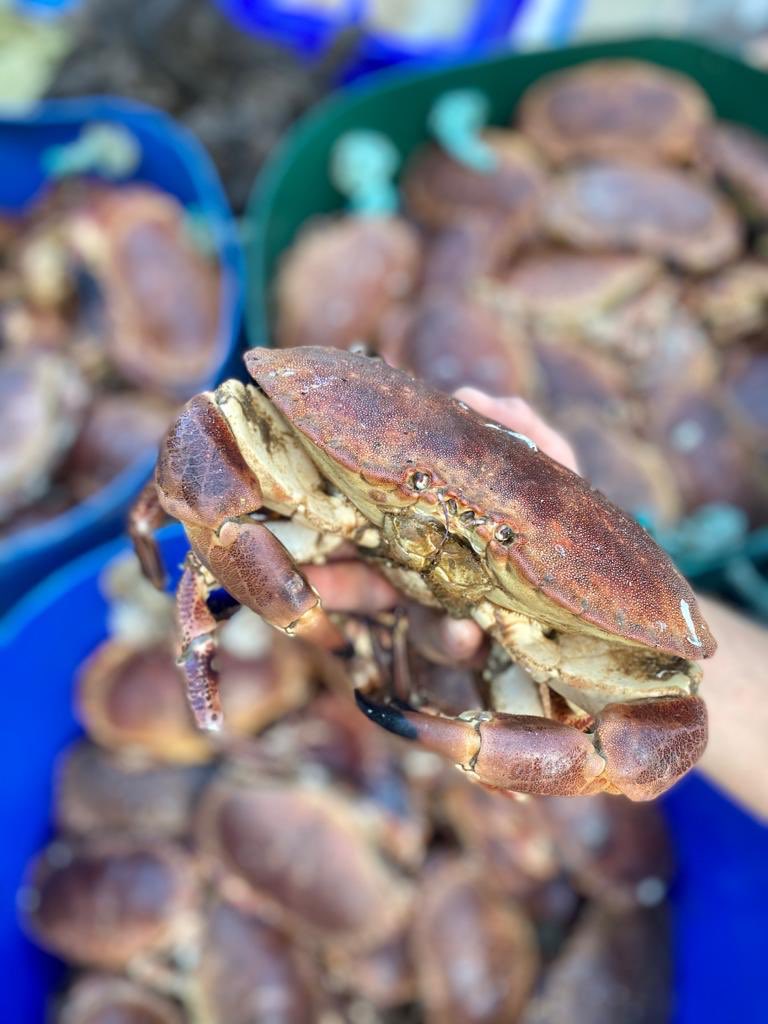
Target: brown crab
733, 303
99, 792
615, 852
341, 277
476, 956
460, 513
250, 971
746, 387
101, 998
109, 901
739, 158
304, 857
614, 966
43, 400
456, 256
660, 211
575, 375
616, 108
569, 294
120, 428
128, 697
161, 293
582, 309
627, 468
451, 340
440, 192
508, 839
709, 460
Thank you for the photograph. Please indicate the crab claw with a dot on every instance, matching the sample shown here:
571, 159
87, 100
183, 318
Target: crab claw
650, 744
636, 749
255, 568
259, 573
523, 753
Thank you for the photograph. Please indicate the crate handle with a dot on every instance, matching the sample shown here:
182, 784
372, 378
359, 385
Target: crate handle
362, 167
457, 120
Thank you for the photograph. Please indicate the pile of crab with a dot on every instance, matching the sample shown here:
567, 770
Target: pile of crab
109, 315
604, 258
299, 869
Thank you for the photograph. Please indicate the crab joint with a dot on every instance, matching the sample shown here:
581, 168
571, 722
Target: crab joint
650, 744
522, 753
315, 626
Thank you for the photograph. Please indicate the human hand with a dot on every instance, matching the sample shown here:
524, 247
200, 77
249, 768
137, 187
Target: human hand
518, 415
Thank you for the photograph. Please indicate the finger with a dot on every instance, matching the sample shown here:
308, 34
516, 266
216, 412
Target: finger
518, 415
463, 640
441, 639
351, 587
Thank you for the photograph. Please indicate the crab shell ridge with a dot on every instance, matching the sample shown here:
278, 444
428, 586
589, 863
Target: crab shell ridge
382, 431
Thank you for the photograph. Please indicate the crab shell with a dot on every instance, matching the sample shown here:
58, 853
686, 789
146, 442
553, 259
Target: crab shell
659, 211
104, 901
463, 931
616, 108
739, 158
440, 192
613, 966
100, 998
557, 550
452, 341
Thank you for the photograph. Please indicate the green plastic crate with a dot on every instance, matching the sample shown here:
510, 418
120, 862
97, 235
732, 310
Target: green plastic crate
295, 186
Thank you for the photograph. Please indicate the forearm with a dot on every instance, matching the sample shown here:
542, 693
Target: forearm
735, 690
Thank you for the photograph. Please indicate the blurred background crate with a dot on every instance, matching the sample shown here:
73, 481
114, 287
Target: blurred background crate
389, 32
719, 897
171, 159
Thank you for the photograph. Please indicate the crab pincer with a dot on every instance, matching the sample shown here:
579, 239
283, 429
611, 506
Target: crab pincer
638, 749
462, 514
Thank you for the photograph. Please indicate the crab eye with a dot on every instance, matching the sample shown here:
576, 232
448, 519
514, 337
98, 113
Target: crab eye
504, 534
419, 481
451, 507
468, 516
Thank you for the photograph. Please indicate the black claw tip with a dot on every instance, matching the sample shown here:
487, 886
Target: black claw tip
388, 717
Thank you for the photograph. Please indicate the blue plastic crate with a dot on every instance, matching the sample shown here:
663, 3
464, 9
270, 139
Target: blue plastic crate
488, 24
720, 897
172, 159
46, 8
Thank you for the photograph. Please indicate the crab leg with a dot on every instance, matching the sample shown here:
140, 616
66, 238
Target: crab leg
145, 517
637, 749
198, 646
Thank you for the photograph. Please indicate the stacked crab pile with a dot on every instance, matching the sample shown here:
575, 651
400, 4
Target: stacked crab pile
604, 258
108, 319
301, 869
